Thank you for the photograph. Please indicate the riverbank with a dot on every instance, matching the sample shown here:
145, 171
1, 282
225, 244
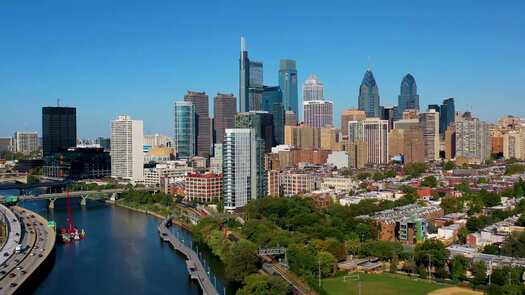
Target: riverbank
129, 207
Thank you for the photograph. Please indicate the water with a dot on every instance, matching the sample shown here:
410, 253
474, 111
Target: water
122, 254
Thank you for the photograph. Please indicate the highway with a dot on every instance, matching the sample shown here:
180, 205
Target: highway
81, 193
14, 233
195, 268
37, 243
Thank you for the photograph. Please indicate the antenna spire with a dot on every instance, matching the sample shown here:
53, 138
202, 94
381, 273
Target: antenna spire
243, 44
369, 63
58, 102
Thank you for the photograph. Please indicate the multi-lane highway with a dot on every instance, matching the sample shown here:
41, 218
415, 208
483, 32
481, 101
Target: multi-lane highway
37, 242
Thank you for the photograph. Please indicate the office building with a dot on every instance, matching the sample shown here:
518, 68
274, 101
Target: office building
25, 142
216, 160
157, 140
389, 114
450, 142
429, 122
408, 97
447, 114
244, 175
59, 129
6, 144
318, 113
244, 78
374, 132
329, 139
203, 188
78, 163
407, 143
350, 115
313, 89
357, 154
203, 122
261, 122
273, 103
256, 89
127, 149
472, 139
288, 84
290, 118
104, 143
225, 109
184, 138
302, 137
369, 96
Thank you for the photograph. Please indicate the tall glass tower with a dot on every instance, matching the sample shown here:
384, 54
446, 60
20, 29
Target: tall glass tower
288, 84
408, 97
184, 139
244, 78
447, 114
369, 96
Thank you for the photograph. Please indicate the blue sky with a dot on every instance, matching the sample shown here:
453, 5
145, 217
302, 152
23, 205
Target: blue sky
138, 57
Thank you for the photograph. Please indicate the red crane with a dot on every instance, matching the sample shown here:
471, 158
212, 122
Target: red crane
70, 232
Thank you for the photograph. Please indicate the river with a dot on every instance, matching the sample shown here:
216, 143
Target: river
122, 254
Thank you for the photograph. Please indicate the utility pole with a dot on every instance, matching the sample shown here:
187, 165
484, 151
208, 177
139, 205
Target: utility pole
319, 270
490, 271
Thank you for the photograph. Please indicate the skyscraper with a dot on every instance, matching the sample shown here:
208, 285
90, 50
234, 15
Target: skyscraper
288, 84
255, 90
350, 115
244, 78
472, 139
59, 129
273, 103
244, 177
374, 132
369, 96
25, 142
290, 118
318, 113
261, 122
447, 114
408, 97
203, 124
127, 149
184, 129
313, 89
225, 109
429, 122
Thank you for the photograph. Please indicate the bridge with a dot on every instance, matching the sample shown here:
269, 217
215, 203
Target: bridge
108, 194
193, 264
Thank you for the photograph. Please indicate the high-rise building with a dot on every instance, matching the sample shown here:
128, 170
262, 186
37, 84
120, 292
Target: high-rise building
25, 142
244, 176
261, 122
224, 109
447, 114
127, 149
408, 97
406, 142
374, 132
290, 118
434, 107
313, 89
357, 154
369, 96
302, 137
157, 140
288, 84
273, 103
255, 90
410, 114
203, 188
472, 139
350, 115
59, 129
244, 78
389, 114
450, 142
203, 122
513, 145
329, 139
271, 95
184, 136
429, 122
318, 113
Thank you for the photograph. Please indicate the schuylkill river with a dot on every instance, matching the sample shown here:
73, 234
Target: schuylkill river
122, 254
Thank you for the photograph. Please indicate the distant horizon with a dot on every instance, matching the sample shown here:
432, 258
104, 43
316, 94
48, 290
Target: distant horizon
137, 59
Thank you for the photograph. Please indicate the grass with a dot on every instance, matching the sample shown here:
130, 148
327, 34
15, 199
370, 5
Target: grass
380, 284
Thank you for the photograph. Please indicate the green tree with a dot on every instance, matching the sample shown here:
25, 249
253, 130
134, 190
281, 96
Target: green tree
514, 245
433, 249
451, 205
429, 181
257, 284
458, 267
327, 262
479, 271
449, 165
491, 249
241, 261
414, 170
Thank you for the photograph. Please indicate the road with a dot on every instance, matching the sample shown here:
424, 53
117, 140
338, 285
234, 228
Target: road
81, 193
38, 241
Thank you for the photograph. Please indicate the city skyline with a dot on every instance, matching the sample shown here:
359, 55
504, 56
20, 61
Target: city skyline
144, 83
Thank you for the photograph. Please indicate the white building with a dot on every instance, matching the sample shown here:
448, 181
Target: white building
127, 149
216, 160
313, 89
169, 170
158, 140
242, 167
472, 138
429, 122
342, 184
318, 113
25, 142
374, 132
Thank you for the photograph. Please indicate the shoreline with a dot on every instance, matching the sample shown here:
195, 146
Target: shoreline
151, 213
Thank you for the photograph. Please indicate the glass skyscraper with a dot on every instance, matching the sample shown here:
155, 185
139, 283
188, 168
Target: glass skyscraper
244, 78
261, 122
447, 114
369, 96
184, 139
288, 84
273, 103
408, 97
59, 129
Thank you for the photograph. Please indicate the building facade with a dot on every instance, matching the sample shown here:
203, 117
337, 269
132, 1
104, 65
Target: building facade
25, 142
59, 129
369, 96
127, 149
288, 84
313, 89
408, 97
261, 122
350, 115
429, 122
472, 139
318, 113
203, 122
447, 114
374, 132
184, 129
78, 163
203, 188
224, 109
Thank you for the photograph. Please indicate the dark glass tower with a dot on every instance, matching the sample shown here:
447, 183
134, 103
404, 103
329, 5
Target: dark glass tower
408, 97
244, 78
225, 108
369, 96
273, 103
288, 84
262, 122
203, 124
59, 129
446, 115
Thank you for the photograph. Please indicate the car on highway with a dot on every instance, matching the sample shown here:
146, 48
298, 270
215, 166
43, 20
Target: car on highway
40, 255
12, 275
12, 285
3, 272
6, 254
23, 272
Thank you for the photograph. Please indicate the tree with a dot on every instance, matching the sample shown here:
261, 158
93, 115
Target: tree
433, 249
429, 181
458, 267
449, 165
451, 205
378, 176
462, 235
479, 270
257, 284
491, 249
514, 245
327, 262
414, 170
384, 250
241, 261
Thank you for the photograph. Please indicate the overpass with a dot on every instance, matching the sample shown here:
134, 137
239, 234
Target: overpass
37, 243
193, 264
108, 194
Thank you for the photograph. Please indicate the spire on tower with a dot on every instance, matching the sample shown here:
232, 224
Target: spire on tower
243, 44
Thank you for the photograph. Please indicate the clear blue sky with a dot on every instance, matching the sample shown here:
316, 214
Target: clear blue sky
138, 57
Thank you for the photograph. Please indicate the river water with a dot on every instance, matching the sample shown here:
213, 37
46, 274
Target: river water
122, 254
